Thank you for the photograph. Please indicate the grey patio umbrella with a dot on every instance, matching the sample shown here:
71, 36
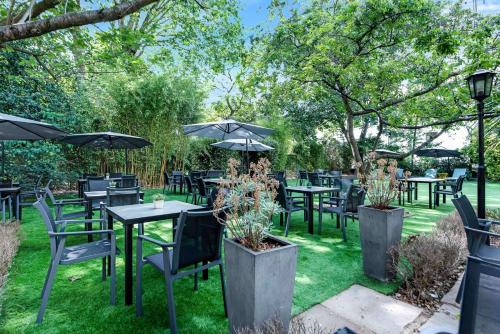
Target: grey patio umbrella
241, 145
107, 140
228, 129
386, 153
18, 128
438, 153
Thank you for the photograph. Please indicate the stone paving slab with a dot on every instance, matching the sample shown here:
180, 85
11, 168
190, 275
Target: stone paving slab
321, 316
445, 319
372, 310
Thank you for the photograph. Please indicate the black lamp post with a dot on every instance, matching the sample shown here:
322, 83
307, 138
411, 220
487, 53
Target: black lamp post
480, 84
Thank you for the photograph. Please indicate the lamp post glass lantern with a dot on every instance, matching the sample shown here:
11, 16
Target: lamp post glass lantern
480, 84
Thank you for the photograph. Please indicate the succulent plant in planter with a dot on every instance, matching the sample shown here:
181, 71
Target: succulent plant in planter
380, 223
158, 201
260, 267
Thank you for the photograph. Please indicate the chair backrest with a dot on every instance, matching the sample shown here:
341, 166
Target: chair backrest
48, 192
431, 173
460, 183
281, 196
335, 172
86, 175
303, 175
280, 174
354, 198
195, 175
115, 175
314, 179
481, 298
320, 171
202, 188
457, 172
48, 219
166, 178
468, 215
213, 196
129, 181
400, 173
188, 183
5, 183
177, 173
177, 177
122, 196
198, 239
97, 185
214, 174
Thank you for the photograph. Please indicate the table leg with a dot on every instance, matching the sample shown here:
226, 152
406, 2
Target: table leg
310, 216
205, 272
18, 201
174, 225
320, 213
109, 227
416, 191
430, 195
128, 264
88, 226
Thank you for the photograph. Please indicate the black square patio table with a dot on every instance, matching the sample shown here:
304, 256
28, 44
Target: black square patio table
130, 215
83, 182
310, 192
15, 193
429, 181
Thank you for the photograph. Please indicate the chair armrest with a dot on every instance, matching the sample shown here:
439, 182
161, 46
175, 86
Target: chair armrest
482, 232
61, 234
295, 197
490, 221
70, 202
76, 221
160, 243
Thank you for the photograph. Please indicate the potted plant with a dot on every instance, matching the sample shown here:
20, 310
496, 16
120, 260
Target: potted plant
380, 223
158, 201
260, 267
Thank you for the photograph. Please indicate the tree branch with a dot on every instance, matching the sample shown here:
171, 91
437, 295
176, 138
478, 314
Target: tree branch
14, 32
36, 11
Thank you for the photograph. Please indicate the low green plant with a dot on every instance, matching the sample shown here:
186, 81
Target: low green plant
158, 197
250, 201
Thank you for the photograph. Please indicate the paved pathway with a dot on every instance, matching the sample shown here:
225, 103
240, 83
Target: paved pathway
363, 310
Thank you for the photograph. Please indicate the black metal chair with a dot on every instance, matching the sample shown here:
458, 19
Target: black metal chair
203, 191
481, 300
167, 185
198, 239
97, 185
455, 187
28, 197
66, 255
6, 203
177, 180
471, 221
129, 181
190, 190
302, 177
457, 172
59, 204
314, 179
343, 206
290, 204
115, 175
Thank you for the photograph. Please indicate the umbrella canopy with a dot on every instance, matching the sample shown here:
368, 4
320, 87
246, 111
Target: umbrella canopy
18, 128
241, 145
386, 153
109, 140
227, 129
438, 153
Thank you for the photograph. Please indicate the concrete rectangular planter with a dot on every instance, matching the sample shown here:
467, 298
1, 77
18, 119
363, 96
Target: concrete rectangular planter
259, 284
379, 231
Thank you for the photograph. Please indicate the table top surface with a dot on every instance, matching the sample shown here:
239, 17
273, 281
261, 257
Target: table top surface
146, 212
314, 190
103, 194
214, 180
424, 179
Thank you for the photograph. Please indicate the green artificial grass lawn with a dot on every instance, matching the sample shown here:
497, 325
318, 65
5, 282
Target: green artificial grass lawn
80, 300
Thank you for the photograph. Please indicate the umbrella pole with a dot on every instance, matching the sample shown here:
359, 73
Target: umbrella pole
3, 159
126, 161
248, 158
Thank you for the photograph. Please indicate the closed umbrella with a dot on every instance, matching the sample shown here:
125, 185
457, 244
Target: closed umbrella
107, 140
228, 129
386, 153
18, 128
